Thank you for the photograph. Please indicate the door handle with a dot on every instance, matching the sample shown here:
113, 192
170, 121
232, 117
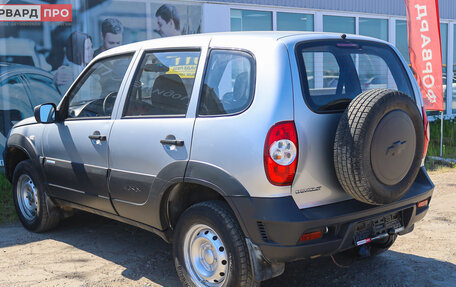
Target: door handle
97, 137
172, 142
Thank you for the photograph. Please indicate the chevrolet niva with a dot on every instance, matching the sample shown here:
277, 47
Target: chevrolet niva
243, 150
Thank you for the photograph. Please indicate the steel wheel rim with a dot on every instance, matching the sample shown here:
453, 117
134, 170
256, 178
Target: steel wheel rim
205, 256
27, 197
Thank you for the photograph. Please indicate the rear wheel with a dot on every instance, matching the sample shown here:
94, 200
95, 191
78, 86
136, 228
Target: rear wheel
210, 248
32, 205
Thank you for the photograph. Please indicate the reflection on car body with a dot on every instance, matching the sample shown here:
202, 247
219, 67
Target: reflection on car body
21, 88
22, 51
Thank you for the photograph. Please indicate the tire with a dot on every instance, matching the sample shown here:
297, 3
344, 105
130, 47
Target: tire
33, 207
211, 228
378, 146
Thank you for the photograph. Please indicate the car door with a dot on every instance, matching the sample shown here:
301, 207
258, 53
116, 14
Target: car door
150, 142
75, 149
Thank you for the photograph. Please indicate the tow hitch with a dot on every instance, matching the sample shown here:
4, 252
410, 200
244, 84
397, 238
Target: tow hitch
391, 232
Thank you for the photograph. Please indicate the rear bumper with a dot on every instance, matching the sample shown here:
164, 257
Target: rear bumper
276, 224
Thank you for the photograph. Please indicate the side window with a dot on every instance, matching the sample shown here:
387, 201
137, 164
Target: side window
14, 103
43, 90
94, 95
228, 83
163, 84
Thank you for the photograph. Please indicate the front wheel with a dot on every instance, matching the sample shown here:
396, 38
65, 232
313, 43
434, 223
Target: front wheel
31, 203
210, 248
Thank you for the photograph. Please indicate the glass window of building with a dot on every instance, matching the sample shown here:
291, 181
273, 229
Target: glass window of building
377, 28
401, 39
339, 24
294, 22
444, 38
444, 44
454, 73
251, 20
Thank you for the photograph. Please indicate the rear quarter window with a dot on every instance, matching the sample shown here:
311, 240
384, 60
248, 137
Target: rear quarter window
334, 72
229, 82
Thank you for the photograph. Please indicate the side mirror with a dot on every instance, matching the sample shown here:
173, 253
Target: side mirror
45, 113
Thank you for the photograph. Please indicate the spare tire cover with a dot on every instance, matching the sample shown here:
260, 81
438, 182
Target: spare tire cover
378, 146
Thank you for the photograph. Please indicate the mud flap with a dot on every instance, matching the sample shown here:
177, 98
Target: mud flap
262, 268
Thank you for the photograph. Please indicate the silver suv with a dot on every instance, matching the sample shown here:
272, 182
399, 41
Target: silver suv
244, 150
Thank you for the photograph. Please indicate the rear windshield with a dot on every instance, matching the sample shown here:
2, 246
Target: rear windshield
333, 72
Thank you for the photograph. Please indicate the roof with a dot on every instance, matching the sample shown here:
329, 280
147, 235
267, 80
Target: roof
236, 39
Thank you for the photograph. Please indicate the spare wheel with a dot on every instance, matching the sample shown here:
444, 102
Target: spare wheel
378, 146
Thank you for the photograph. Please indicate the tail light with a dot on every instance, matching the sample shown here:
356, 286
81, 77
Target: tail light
281, 153
311, 236
427, 132
423, 203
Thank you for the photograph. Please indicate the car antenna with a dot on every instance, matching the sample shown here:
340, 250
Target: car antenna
343, 36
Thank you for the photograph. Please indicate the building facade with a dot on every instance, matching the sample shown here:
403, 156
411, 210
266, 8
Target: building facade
384, 19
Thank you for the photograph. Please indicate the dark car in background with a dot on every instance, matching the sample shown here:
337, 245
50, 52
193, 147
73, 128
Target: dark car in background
22, 88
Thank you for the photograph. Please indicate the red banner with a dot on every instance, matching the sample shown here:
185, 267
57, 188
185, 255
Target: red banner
425, 51
56, 13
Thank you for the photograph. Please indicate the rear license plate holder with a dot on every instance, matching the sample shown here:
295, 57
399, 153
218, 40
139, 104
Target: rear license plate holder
378, 227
